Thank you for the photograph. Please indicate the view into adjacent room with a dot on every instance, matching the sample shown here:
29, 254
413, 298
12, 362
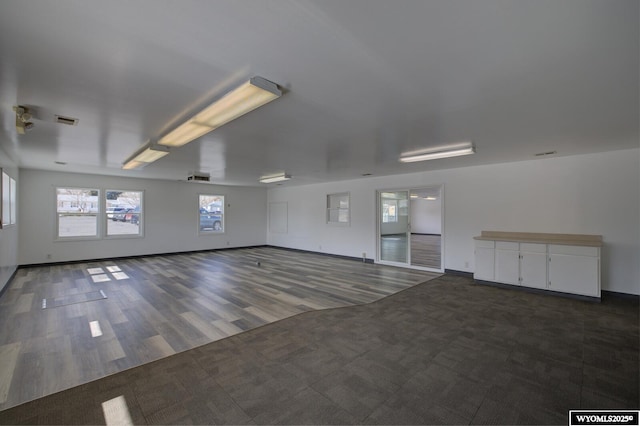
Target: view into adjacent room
410, 227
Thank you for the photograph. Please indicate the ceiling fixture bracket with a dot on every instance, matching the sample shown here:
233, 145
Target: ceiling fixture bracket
23, 119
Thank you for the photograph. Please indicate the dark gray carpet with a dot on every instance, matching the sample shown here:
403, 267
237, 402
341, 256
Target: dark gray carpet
447, 351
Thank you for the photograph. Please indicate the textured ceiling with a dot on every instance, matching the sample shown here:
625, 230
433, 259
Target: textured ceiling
364, 80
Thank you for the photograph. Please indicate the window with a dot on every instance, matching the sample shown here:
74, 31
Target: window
389, 211
8, 187
338, 208
211, 216
12, 201
123, 212
77, 212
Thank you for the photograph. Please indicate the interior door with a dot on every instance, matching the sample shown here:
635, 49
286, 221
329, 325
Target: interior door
394, 226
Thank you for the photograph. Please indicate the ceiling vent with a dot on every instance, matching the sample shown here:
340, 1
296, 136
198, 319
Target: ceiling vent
199, 177
69, 121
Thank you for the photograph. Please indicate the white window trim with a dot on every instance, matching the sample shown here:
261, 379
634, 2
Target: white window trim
56, 230
202, 232
105, 220
329, 209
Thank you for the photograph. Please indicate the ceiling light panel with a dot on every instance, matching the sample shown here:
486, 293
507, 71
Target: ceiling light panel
245, 98
453, 150
275, 178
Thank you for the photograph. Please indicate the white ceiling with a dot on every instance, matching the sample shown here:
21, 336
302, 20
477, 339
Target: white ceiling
364, 79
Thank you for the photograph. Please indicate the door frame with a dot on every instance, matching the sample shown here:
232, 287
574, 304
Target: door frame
378, 217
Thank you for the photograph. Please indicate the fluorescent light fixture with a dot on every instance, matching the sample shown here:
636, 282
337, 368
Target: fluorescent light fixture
453, 150
414, 195
241, 100
145, 155
275, 178
430, 198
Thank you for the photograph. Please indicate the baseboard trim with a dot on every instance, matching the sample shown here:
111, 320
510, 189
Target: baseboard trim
619, 295
339, 256
137, 256
9, 281
140, 256
459, 273
540, 291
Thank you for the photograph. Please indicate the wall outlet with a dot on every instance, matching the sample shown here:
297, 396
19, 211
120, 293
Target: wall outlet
228, 243
48, 256
364, 255
319, 246
466, 264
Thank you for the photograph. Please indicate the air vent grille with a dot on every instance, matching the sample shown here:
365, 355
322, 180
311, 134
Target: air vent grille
69, 121
199, 177
543, 154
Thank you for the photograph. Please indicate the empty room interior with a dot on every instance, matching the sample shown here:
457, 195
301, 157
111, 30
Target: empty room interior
319, 212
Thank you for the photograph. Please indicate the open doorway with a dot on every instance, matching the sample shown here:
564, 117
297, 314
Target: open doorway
426, 227
410, 228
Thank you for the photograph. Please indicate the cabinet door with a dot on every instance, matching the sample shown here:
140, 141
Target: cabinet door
484, 264
533, 269
574, 274
507, 266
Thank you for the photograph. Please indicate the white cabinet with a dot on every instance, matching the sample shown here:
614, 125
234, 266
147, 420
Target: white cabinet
574, 270
507, 262
543, 265
533, 265
485, 255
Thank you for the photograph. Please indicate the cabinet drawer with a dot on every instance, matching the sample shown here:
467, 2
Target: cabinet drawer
507, 245
485, 244
533, 247
574, 250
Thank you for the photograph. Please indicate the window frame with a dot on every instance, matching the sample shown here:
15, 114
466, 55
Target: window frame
223, 215
98, 234
105, 218
337, 197
7, 200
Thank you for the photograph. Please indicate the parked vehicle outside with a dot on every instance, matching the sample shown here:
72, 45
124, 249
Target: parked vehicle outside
133, 216
210, 220
114, 212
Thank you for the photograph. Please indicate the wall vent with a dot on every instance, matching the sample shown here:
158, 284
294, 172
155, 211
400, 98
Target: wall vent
543, 154
69, 121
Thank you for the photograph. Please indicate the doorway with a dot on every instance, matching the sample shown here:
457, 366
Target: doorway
410, 228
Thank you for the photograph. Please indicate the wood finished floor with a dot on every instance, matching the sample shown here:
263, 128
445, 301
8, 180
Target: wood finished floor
158, 306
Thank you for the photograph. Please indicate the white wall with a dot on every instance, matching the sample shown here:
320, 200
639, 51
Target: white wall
8, 235
586, 194
426, 216
170, 218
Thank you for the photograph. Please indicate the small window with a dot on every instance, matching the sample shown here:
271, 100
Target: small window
123, 213
389, 211
9, 190
338, 211
211, 214
75, 212
12, 201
